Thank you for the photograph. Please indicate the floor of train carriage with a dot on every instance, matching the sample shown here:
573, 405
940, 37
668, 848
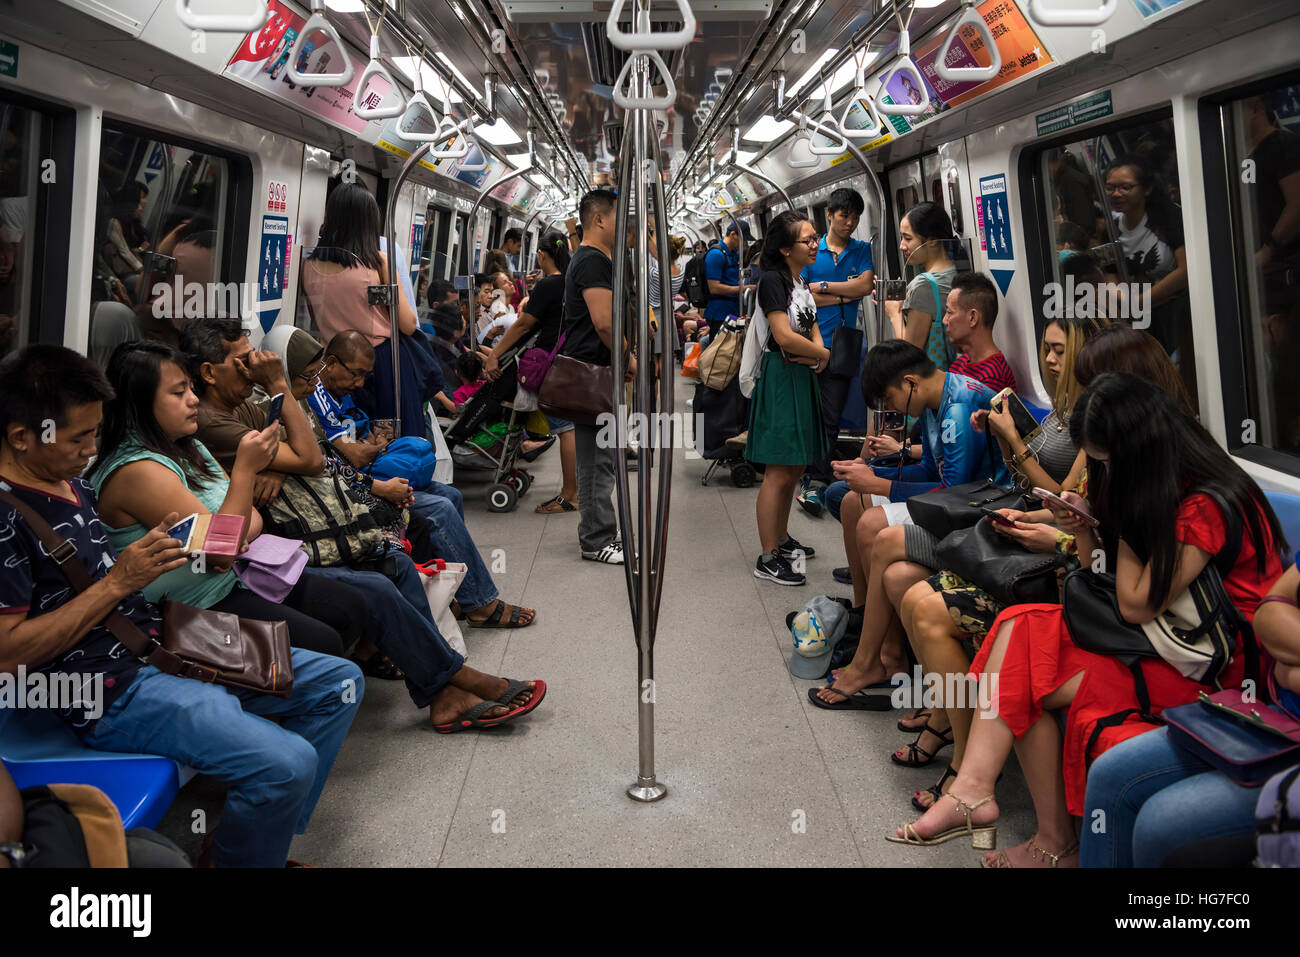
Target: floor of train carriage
739, 746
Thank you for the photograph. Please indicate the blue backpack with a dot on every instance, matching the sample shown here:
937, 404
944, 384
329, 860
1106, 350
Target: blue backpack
409, 457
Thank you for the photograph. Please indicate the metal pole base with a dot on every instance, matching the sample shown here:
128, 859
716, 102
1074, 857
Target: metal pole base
646, 790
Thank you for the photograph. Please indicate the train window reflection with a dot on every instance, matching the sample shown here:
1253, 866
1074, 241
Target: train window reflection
1263, 142
1113, 199
158, 239
19, 133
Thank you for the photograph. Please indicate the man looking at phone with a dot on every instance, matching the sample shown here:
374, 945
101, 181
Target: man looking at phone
839, 278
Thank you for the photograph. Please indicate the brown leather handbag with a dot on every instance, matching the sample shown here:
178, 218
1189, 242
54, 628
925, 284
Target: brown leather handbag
578, 391
209, 646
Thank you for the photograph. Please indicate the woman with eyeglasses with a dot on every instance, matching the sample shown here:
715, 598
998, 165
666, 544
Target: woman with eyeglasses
151, 466
785, 431
918, 317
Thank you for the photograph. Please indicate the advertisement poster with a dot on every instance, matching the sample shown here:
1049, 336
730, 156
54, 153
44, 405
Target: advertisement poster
1016, 40
262, 61
1149, 8
272, 268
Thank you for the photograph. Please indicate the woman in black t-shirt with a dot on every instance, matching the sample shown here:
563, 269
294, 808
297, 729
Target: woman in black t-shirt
785, 431
544, 314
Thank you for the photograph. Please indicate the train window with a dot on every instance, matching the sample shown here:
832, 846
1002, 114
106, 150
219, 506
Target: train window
20, 131
1113, 195
160, 227
1261, 155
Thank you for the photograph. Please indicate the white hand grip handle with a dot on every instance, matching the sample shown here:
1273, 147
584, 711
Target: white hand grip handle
481, 165
828, 124
868, 132
1071, 16
811, 161
448, 125
663, 102
904, 109
420, 101
644, 39
224, 22
375, 68
316, 22
959, 73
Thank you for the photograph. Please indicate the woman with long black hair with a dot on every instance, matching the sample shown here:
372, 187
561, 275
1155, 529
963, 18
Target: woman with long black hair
1150, 467
544, 315
785, 431
336, 275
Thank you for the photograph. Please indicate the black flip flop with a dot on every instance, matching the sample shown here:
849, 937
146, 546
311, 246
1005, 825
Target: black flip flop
858, 701
380, 666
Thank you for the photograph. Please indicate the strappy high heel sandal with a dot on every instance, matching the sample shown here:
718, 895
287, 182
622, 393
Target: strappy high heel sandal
935, 790
983, 837
914, 757
1035, 852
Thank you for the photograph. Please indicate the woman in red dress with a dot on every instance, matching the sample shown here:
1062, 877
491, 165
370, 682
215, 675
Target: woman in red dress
1149, 464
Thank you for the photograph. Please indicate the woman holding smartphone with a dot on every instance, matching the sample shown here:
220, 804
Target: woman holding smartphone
151, 466
785, 431
1150, 467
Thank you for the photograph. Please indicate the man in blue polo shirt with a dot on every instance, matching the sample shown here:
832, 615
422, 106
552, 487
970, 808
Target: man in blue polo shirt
722, 270
839, 278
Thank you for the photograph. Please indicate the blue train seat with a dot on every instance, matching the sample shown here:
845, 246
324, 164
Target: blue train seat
37, 748
1287, 507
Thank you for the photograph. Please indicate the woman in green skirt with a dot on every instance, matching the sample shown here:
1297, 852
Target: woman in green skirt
785, 415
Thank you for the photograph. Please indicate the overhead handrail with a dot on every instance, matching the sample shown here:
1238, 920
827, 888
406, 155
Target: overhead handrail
961, 73
1071, 16
375, 68
904, 63
249, 22
803, 134
827, 120
317, 22
642, 38
646, 102
859, 95
419, 100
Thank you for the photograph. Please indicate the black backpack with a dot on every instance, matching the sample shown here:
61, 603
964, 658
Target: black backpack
696, 283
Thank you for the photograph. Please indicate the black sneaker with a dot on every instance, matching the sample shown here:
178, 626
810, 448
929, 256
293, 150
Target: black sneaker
778, 570
791, 549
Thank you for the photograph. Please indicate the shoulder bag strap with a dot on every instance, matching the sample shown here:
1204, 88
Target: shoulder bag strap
64, 551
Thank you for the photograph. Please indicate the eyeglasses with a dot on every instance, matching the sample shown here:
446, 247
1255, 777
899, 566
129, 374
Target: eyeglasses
1121, 187
347, 368
811, 242
309, 375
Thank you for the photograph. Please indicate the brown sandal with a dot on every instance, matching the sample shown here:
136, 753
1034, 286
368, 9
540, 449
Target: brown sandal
555, 506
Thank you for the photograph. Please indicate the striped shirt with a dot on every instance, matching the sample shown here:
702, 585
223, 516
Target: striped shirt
993, 371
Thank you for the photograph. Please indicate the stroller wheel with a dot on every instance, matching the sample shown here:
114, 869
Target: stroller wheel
742, 475
520, 481
502, 498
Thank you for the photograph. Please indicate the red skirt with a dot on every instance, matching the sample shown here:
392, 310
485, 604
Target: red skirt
1040, 657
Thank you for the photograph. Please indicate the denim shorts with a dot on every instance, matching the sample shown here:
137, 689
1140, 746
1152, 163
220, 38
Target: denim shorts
559, 426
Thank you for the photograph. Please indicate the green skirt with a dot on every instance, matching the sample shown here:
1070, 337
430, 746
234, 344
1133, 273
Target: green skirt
785, 415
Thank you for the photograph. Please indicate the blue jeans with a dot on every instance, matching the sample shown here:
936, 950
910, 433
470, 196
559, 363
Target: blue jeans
450, 540
275, 771
833, 495
1156, 797
402, 626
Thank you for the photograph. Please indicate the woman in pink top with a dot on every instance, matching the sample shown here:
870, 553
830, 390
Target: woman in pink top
336, 277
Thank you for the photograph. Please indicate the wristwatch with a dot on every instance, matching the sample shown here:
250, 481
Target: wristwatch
17, 853
825, 286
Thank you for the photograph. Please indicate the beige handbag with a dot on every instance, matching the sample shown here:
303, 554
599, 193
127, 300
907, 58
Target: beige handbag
720, 362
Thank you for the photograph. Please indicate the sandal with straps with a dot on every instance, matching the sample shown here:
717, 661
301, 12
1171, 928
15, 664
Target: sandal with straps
1035, 853
983, 837
494, 619
914, 750
934, 790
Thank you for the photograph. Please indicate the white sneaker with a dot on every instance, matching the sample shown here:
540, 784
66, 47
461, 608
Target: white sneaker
611, 554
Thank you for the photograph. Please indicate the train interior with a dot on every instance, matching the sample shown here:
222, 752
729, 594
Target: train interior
142, 152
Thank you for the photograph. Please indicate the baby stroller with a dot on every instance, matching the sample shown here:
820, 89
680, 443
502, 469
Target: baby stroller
725, 416
482, 439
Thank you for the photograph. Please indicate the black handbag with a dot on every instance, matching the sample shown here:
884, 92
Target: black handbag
1196, 635
1005, 569
846, 348
942, 511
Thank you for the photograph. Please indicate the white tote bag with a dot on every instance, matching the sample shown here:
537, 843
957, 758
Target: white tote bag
751, 357
441, 579
444, 467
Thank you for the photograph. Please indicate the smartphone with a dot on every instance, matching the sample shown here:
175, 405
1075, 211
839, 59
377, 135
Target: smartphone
997, 516
183, 529
273, 411
896, 289
1021, 417
1056, 500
